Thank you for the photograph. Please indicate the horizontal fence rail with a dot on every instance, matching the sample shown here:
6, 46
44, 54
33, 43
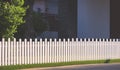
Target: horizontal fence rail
13, 52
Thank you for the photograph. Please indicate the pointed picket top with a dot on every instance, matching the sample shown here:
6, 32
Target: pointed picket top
40, 39
20, 39
107, 40
50, 39
45, 39
110, 40
25, 40
64, 40
72, 39
14, 39
113, 40
85, 39
92, 39
80, 39
68, 39
88, 39
117, 40
59, 40
100, 39
77, 40
9, 39
103, 40
36, 39
3, 39
30, 40
55, 39
96, 39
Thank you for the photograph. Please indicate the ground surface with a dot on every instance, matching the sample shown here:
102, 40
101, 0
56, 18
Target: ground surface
83, 67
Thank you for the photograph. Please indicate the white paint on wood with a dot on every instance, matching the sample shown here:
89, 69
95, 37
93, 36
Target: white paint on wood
52, 51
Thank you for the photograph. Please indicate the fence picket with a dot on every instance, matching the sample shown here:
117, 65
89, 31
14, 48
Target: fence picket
17, 53
9, 62
25, 45
11, 52
68, 48
3, 53
6, 54
43, 53
38, 52
50, 45
20, 51
59, 46
46, 51
41, 50
57, 51
14, 51
35, 52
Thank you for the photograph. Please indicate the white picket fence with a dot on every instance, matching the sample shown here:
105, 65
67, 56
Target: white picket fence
38, 52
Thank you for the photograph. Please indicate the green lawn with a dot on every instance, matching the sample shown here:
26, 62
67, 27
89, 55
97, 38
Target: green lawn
15, 67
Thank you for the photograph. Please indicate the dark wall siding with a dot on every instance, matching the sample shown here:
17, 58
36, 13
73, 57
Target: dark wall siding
67, 18
115, 18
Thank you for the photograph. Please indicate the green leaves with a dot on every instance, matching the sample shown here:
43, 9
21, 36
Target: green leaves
11, 15
18, 2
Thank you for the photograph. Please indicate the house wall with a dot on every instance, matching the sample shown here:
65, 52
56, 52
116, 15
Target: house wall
52, 6
39, 4
93, 19
115, 18
67, 19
